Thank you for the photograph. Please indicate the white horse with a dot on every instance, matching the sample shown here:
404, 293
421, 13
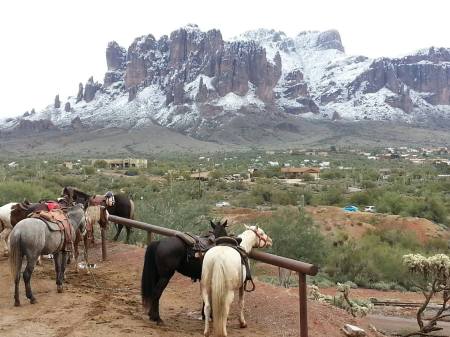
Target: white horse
5, 227
222, 274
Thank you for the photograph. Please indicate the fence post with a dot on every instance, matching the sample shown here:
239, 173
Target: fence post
303, 305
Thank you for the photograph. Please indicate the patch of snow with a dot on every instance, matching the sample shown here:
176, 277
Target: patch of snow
233, 102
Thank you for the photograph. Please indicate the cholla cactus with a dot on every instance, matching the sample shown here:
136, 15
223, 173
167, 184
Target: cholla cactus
341, 300
435, 274
315, 294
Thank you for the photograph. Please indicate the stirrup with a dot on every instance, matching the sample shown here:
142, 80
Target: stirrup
253, 286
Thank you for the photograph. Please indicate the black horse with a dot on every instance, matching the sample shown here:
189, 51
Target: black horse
162, 259
118, 204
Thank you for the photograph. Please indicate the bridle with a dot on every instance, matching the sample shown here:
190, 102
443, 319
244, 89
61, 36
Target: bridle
260, 238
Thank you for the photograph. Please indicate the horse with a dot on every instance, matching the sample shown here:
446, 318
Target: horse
118, 204
5, 226
162, 259
222, 274
32, 237
10, 215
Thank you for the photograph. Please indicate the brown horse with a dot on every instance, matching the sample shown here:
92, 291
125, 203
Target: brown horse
118, 204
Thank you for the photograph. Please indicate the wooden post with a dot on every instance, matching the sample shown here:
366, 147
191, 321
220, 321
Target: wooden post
303, 305
103, 232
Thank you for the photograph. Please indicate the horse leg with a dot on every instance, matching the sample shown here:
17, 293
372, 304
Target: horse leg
86, 247
119, 229
57, 257
31, 263
241, 306
128, 234
16, 285
157, 292
228, 300
206, 312
4, 240
76, 252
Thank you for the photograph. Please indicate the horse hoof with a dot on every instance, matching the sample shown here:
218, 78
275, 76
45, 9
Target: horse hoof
17, 304
33, 301
60, 289
243, 325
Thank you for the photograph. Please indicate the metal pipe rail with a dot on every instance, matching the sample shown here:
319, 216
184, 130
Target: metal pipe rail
301, 268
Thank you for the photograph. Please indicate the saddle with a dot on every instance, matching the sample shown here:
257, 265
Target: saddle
197, 245
57, 220
234, 242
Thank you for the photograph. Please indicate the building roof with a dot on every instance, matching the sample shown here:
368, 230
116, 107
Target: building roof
300, 170
203, 175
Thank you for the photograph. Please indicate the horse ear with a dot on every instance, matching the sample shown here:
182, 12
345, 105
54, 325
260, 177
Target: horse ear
246, 227
213, 225
225, 224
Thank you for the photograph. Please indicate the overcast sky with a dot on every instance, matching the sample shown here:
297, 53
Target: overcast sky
49, 46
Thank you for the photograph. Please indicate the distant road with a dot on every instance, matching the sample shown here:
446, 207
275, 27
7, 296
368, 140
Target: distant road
398, 324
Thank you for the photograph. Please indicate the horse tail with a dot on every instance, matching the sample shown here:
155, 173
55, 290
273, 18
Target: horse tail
218, 299
15, 255
149, 274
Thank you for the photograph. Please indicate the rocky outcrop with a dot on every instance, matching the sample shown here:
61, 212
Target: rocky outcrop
57, 103
77, 124
80, 92
172, 62
26, 125
330, 39
116, 58
90, 89
427, 72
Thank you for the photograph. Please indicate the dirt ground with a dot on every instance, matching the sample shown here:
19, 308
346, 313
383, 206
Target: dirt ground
114, 308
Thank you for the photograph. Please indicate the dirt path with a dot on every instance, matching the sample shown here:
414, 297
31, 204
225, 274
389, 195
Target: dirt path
85, 311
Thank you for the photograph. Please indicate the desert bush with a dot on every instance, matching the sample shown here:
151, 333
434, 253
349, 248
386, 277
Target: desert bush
16, 191
100, 164
89, 170
371, 259
295, 235
332, 196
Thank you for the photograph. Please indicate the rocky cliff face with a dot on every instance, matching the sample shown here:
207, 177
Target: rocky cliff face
427, 73
192, 79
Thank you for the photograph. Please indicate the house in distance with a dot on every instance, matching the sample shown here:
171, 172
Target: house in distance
300, 172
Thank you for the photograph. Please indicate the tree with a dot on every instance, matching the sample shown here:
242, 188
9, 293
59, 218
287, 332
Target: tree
433, 277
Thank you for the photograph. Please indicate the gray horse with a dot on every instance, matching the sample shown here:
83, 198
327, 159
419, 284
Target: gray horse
31, 237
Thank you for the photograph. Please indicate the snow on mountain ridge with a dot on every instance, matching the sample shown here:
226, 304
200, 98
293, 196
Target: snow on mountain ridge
194, 77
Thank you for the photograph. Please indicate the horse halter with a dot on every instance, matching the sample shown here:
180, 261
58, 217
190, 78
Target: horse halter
260, 238
109, 199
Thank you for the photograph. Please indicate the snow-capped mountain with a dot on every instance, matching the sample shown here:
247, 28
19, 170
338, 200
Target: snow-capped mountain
192, 80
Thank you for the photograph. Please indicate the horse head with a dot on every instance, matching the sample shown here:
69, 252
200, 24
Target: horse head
77, 218
262, 240
219, 229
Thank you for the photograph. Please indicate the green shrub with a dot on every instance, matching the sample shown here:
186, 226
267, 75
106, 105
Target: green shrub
294, 235
16, 191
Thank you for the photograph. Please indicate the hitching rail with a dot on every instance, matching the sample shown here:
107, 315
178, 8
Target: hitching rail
301, 268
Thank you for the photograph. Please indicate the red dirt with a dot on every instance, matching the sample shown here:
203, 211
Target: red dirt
84, 310
334, 221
